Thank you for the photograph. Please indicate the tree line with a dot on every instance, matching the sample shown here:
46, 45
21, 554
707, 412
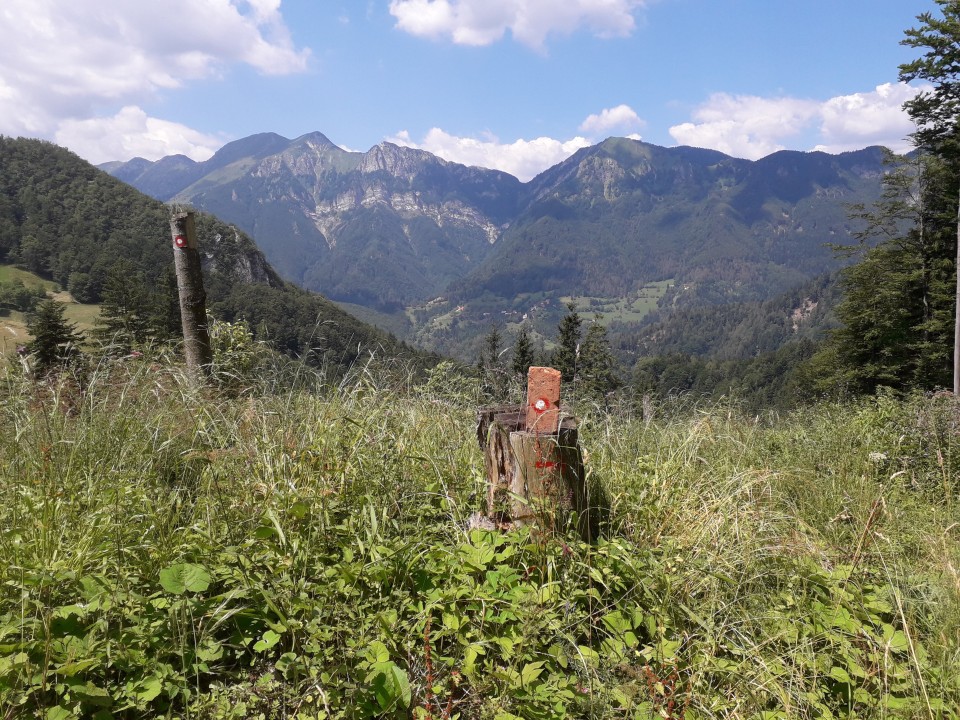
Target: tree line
586, 362
900, 312
107, 243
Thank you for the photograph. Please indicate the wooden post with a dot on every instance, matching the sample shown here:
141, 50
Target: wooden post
532, 459
193, 298
494, 425
547, 481
543, 400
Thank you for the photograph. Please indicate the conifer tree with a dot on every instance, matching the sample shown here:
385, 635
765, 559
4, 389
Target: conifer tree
123, 321
564, 357
597, 373
897, 310
493, 374
522, 353
936, 112
56, 342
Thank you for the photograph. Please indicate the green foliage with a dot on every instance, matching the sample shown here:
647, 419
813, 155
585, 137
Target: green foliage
597, 366
774, 381
237, 356
132, 309
565, 357
897, 311
523, 356
92, 234
494, 377
935, 109
56, 342
17, 296
170, 552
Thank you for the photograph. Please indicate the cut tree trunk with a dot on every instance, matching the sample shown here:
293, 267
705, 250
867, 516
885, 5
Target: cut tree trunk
531, 477
193, 298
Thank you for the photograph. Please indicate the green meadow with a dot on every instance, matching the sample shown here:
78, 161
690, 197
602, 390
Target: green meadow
304, 550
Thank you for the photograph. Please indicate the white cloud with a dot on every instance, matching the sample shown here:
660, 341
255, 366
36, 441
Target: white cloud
753, 127
68, 60
622, 117
482, 22
131, 133
522, 158
745, 125
854, 121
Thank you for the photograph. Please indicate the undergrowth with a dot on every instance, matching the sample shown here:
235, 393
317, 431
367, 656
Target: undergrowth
175, 552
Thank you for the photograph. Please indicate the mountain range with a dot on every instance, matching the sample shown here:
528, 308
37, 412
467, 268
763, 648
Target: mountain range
69, 222
438, 251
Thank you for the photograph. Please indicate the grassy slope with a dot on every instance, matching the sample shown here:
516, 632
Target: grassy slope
13, 326
174, 551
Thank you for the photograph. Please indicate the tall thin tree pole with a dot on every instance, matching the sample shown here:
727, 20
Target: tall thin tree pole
193, 298
956, 316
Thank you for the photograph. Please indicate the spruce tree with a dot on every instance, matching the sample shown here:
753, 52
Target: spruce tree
564, 358
522, 354
56, 342
125, 308
897, 310
597, 364
494, 385
936, 112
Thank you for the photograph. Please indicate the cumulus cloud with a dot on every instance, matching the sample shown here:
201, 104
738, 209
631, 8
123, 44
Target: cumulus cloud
482, 22
745, 125
622, 117
849, 122
66, 61
131, 133
522, 158
753, 127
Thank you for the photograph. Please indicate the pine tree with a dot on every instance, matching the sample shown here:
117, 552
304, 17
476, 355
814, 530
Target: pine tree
936, 112
494, 385
164, 319
564, 358
522, 354
56, 342
125, 308
597, 365
897, 310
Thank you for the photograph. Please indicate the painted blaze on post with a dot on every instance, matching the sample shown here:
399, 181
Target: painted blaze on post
543, 400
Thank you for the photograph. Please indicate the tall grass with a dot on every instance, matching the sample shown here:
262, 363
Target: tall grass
175, 551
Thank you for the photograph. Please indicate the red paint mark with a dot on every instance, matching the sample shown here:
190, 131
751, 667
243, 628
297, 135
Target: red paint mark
180, 241
549, 464
540, 406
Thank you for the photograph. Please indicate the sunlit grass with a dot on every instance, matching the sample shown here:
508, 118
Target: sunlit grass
757, 561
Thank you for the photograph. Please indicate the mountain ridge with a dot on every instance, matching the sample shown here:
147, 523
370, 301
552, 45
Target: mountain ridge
394, 228
70, 222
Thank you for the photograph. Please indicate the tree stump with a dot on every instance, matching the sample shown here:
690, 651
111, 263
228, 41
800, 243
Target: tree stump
534, 469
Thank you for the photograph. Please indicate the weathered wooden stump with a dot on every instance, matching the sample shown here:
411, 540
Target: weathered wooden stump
532, 459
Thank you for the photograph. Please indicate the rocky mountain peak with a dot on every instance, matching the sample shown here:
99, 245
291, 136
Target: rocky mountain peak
401, 162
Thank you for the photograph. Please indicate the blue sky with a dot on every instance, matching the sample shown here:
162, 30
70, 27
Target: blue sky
513, 84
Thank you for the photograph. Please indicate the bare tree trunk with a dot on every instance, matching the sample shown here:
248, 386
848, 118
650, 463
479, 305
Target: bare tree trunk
956, 322
193, 298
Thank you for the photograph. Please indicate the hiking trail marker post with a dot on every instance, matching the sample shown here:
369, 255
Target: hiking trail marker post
532, 459
193, 298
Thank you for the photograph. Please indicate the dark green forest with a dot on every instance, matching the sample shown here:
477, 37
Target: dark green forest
107, 243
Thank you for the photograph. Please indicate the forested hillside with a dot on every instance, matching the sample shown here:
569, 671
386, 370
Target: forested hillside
106, 242
438, 251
